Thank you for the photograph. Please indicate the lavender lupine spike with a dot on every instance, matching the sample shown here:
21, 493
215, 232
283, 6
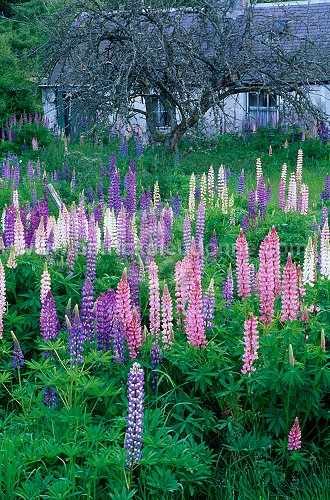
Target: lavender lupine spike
49, 324
241, 184
103, 321
176, 205
50, 397
18, 356
135, 413
118, 341
87, 310
155, 361
213, 247
2, 296
133, 281
76, 338
200, 224
228, 289
262, 197
208, 306
252, 205
91, 251
131, 192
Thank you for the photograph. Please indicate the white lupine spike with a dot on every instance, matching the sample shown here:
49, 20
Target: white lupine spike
304, 199
113, 229
203, 188
192, 190
325, 260
52, 225
292, 194
156, 195
221, 180
98, 237
284, 172
224, 200
323, 250
19, 237
258, 170
135, 234
309, 264
15, 199
210, 184
40, 238
299, 167
3, 218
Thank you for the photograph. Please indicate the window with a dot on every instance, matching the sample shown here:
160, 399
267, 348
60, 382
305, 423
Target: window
161, 114
262, 108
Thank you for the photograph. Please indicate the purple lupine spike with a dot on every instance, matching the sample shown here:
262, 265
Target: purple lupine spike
241, 184
144, 232
200, 224
268, 192
245, 223
50, 397
315, 226
121, 231
130, 243
9, 225
262, 197
16, 177
155, 361
103, 321
138, 147
49, 324
186, 234
65, 171
252, 205
176, 205
327, 187
197, 194
34, 224
159, 209
133, 281
73, 179
167, 223
30, 171
76, 338
130, 192
91, 250
208, 306
143, 201
281, 194
98, 214
132, 165
38, 168
149, 195
104, 172
112, 164
324, 215
34, 197
18, 356
228, 289
133, 436
118, 341
213, 249
91, 195
70, 257
114, 199
87, 310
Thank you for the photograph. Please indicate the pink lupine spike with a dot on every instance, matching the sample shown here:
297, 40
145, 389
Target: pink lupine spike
266, 282
194, 317
167, 319
251, 344
134, 334
294, 438
290, 303
154, 299
45, 284
2, 296
242, 266
123, 302
276, 260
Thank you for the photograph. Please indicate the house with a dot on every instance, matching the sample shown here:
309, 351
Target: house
287, 25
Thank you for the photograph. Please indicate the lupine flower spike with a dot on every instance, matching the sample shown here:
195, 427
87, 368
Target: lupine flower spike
251, 344
133, 436
294, 439
18, 356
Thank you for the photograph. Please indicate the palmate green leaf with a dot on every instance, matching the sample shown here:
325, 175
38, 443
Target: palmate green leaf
123, 494
292, 377
5, 377
162, 479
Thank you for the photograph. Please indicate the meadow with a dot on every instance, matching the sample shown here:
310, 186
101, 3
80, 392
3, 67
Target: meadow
165, 330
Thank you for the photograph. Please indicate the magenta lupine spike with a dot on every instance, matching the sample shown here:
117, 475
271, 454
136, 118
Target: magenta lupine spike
133, 436
134, 336
2, 296
276, 260
294, 438
76, 338
242, 266
45, 284
266, 281
194, 319
186, 234
251, 342
208, 306
87, 309
154, 299
290, 303
91, 251
200, 224
49, 324
123, 302
191, 270
167, 319
213, 249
